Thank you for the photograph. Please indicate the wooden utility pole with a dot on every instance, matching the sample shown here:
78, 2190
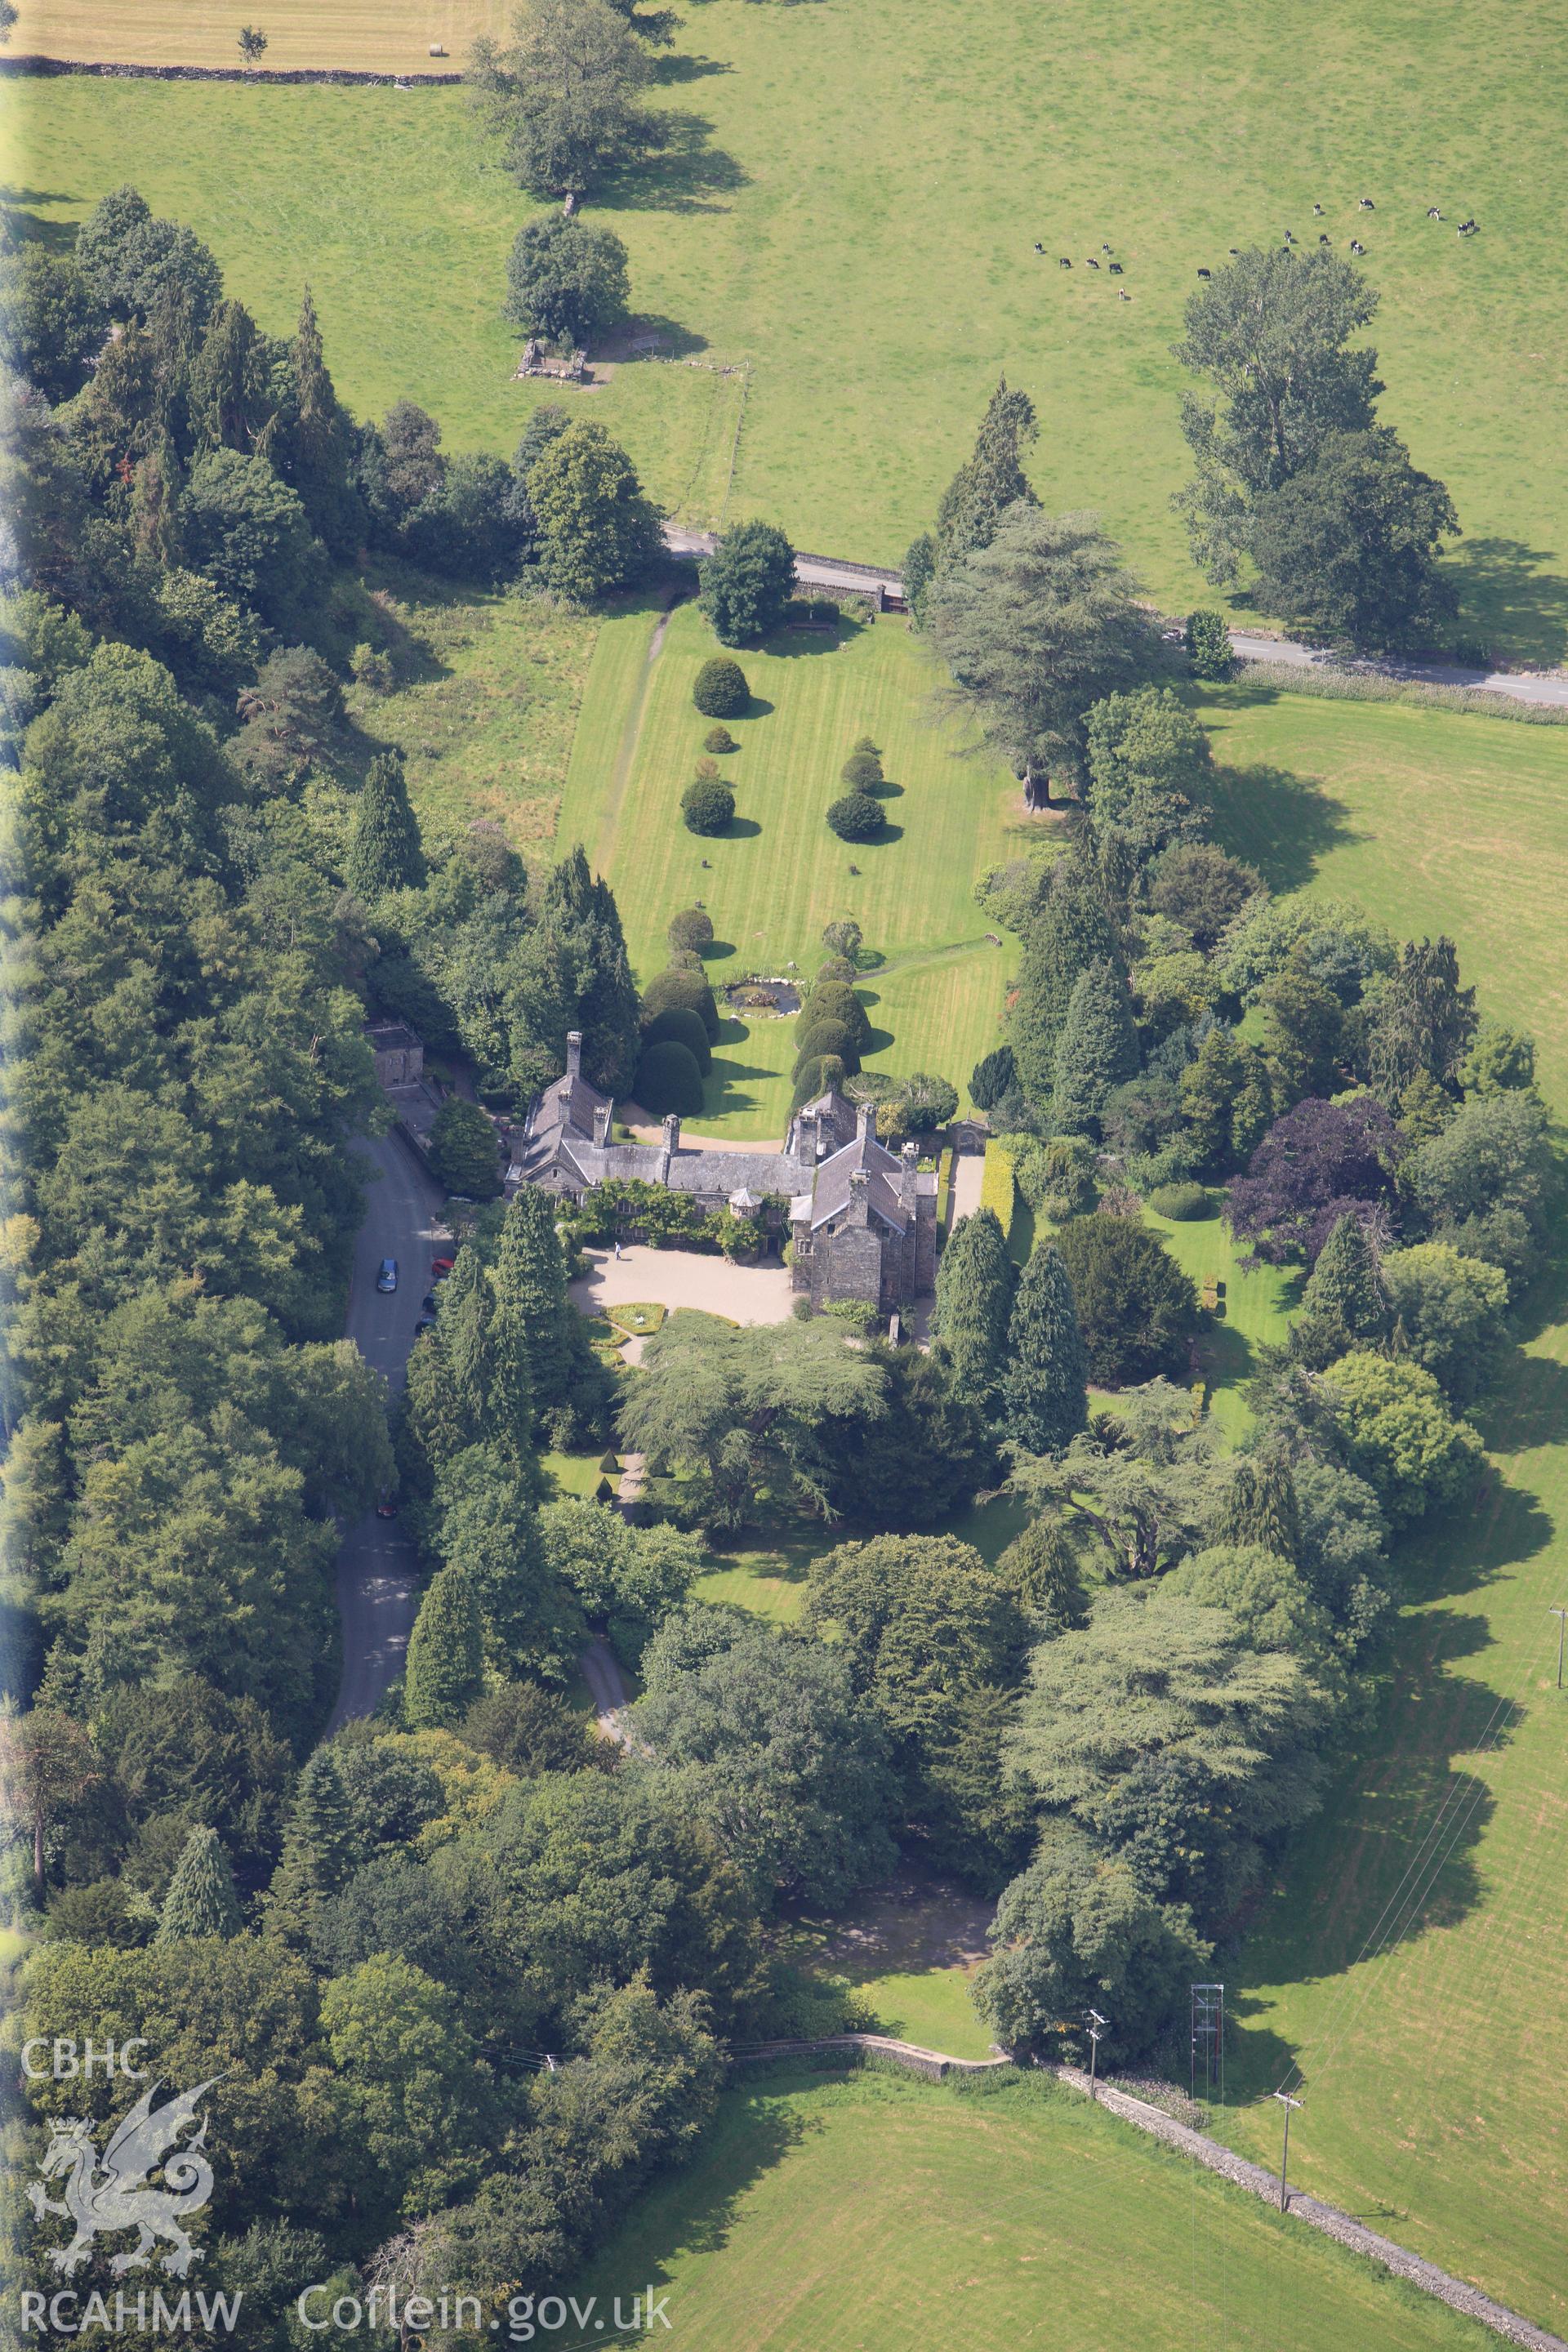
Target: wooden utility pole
1287, 2102
1096, 2028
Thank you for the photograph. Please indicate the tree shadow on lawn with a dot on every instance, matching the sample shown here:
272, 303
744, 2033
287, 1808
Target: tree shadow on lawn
669, 70
798, 643
1528, 605
682, 177
675, 342
1280, 822
694, 2211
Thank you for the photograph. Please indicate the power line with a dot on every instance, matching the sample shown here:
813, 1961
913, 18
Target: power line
1416, 1882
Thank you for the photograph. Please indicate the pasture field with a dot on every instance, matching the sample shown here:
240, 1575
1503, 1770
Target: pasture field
873, 2211
390, 206
850, 201
1433, 821
779, 874
1408, 1959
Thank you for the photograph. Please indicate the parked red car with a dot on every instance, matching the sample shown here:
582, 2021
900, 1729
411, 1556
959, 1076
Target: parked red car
440, 1267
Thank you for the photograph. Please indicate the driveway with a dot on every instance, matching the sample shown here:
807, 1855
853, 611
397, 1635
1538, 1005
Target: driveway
672, 1279
378, 1578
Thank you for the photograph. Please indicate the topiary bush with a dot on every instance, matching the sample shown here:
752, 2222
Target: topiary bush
834, 967
842, 937
691, 928
707, 806
668, 1078
687, 1028
856, 817
828, 1037
719, 739
862, 772
1207, 642
673, 989
1182, 1202
993, 1077
721, 690
834, 1000
816, 1076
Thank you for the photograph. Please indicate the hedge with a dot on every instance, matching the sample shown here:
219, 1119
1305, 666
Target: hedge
1182, 1204
828, 1037
692, 928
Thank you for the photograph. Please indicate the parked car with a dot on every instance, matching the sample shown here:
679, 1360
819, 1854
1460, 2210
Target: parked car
386, 1508
426, 1323
427, 1303
440, 1267
386, 1278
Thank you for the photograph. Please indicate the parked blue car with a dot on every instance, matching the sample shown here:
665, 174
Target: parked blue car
387, 1277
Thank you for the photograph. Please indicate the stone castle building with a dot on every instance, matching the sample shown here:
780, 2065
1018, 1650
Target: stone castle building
861, 1218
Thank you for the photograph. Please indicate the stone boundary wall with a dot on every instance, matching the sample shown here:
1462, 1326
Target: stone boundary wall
934, 2065
1457, 2293
1414, 2268
23, 67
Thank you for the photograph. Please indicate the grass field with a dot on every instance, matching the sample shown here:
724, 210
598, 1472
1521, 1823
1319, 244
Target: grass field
871, 251
1432, 2087
390, 206
779, 874
485, 704
872, 2213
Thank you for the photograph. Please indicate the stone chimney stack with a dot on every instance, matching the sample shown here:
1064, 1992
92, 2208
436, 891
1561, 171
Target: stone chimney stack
865, 1122
574, 1053
602, 1124
672, 1132
859, 1210
911, 1155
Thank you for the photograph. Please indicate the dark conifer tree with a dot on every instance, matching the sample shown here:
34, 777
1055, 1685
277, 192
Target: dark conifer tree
991, 481
1098, 1049
445, 1652
1041, 1567
1046, 1387
318, 1849
974, 1283
1071, 931
384, 851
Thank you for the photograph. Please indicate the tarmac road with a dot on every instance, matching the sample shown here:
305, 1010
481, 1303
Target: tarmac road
378, 1581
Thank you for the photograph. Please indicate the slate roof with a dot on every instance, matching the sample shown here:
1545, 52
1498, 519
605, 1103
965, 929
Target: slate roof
883, 1171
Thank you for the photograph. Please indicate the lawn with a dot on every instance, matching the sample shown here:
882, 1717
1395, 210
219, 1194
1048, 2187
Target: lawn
874, 2213
1256, 1309
778, 874
851, 204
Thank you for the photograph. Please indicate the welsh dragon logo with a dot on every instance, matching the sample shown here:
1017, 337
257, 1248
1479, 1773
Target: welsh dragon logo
115, 2194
